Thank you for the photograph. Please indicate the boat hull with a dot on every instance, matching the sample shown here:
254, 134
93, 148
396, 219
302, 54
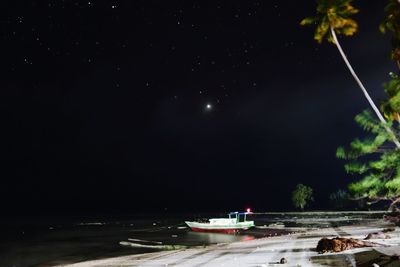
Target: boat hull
219, 228
225, 231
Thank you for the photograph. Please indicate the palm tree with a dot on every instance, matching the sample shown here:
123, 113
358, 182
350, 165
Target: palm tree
334, 16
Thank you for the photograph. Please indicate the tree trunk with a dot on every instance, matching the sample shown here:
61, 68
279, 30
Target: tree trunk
360, 84
393, 205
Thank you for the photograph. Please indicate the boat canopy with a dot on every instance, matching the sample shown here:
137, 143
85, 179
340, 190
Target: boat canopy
237, 215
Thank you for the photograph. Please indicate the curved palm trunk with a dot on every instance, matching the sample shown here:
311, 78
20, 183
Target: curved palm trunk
393, 206
370, 101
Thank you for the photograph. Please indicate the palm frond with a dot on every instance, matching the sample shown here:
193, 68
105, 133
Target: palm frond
335, 14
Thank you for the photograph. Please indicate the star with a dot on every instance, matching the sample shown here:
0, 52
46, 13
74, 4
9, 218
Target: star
208, 107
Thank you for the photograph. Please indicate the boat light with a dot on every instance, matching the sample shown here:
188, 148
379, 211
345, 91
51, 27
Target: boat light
248, 210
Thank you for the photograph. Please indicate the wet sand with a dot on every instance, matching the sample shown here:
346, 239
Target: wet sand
297, 249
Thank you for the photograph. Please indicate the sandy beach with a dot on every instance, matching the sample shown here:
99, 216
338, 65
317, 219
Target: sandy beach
298, 250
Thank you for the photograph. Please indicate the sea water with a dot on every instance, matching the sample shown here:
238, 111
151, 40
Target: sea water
51, 241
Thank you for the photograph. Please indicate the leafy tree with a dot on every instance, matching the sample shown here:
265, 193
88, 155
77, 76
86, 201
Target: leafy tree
391, 107
376, 161
334, 17
340, 199
376, 158
391, 24
301, 195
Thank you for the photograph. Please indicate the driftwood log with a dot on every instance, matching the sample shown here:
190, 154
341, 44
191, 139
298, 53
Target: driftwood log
339, 244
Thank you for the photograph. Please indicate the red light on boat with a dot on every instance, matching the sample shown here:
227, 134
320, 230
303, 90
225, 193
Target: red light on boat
248, 210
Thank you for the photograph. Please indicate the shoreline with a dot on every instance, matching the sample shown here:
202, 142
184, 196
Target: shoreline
261, 233
297, 249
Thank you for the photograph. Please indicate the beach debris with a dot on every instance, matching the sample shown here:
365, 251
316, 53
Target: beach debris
386, 230
381, 234
277, 225
281, 261
393, 217
339, 244
377, 235
144, 241
375, 265
160, 247
395, 257
91, 223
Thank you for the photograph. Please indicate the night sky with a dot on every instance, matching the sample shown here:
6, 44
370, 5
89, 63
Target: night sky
154, 106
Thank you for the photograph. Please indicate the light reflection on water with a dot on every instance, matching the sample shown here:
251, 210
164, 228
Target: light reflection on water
30, 243
215, 238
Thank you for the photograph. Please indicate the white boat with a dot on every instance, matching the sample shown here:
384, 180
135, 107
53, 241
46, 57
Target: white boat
236, 222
